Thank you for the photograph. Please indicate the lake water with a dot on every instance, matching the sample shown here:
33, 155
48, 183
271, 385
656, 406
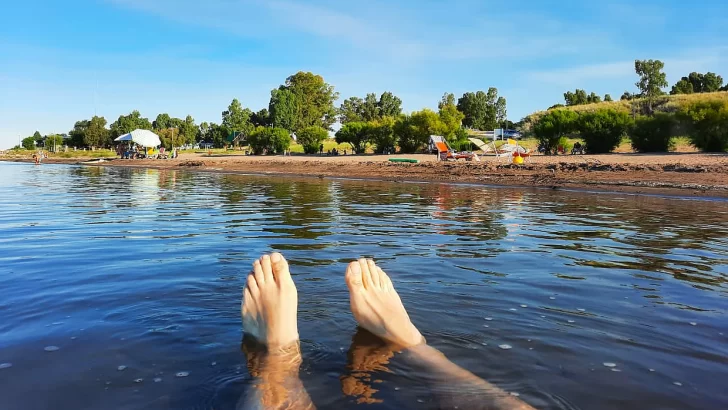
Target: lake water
135, 276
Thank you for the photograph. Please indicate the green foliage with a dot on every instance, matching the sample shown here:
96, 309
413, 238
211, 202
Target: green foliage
354, 109
707, 123
53, 141
698, 83
128, 123
261, 118
170, 137
217, 134
578, 97
413, 131
37, 137
357, 134
608, 97
682, 87
602, 130
565, 143
451, 119
237, 119
652, 79
460, 141
96, 133
314, 100
311, 139
481, 109
552, 126
266, 140
628, 96
163, 121
653, 134
500, 110
188, 130
28, 143
283, 109
78, 133
381, 134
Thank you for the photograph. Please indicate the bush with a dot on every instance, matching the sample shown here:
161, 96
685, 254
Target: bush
566, 144
413, 131
550, 128
269, 140
602, 130
653, 134
707, 123
311, 138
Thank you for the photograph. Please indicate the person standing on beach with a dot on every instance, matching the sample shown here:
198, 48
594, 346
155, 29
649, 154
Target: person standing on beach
269, 311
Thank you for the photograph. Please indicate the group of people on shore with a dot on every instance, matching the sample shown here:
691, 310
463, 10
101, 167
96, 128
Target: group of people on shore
137, 152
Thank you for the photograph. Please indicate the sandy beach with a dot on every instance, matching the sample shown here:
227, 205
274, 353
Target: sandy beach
683, 174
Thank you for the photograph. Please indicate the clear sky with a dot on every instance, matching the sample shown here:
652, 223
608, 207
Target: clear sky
62, 61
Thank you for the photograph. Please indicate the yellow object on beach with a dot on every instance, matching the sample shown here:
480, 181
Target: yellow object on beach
518, 160
512, 142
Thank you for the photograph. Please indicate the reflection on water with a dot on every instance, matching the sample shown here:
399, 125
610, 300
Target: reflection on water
135, 275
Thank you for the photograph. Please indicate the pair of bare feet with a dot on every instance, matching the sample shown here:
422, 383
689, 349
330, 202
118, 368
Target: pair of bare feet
270, 304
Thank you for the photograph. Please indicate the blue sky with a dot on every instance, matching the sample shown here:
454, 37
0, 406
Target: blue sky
64, 61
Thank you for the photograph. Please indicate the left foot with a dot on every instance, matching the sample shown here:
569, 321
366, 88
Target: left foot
270, 303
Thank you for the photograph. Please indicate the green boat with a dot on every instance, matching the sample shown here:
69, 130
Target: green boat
408, 160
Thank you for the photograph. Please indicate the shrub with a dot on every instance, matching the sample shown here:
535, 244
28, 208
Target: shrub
269, 140
653, 134
413, 131
602, 130
707, 123
552, 126
566, 144
311, 139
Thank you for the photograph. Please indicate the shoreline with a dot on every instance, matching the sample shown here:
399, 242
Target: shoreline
689, 175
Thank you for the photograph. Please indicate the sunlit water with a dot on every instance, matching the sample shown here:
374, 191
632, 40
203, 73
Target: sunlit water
121, 288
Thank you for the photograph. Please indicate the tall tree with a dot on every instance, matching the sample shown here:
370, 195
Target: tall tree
237, 119
414, 130
163, 121
351, 110
389, 105
608, 97
450, 117
684, 86
261, 118
128, 123
593, 98
28, 143
96, 134
500, 110
479, 109
188, 130
78, 133
314, 100
370, 108
652, 79
37, 137
283, 109
203, 132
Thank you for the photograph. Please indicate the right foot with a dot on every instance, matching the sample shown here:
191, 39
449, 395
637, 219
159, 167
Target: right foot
376, 305
270, 303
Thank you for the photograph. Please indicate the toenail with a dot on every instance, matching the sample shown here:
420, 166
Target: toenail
275, 257
355, 268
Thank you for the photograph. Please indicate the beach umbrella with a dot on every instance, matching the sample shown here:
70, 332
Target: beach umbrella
145, 138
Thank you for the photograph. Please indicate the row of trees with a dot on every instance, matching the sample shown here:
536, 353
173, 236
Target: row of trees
580, 97
699, 83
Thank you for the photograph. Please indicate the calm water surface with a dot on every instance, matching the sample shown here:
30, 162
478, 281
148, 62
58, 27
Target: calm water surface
135, 277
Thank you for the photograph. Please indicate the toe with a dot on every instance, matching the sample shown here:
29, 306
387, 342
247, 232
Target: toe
267, 269
353, 276
258, 272
366, 276
252, 284
281, 274
374, 273
384, 279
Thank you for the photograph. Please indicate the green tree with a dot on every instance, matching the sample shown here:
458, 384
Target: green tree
652, 80
381, 134
608, 97
357, 134
261, 118
593, 98
682, 87
579, 97
653, 134
78, 133
389, 105
602, 130
188, 130
413, 131
628, 96
314, 100
128, 123
53, 142
707, 124
163, 121
203, 132
237, 119
370, 108
28, 143
450, 118
217, 134
266, 140
480, 109
97, 135
169, 137
552, 126
351, 110
283, 109
311, 138
500, 111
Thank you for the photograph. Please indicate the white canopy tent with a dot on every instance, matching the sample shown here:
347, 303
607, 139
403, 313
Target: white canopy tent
145, 138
